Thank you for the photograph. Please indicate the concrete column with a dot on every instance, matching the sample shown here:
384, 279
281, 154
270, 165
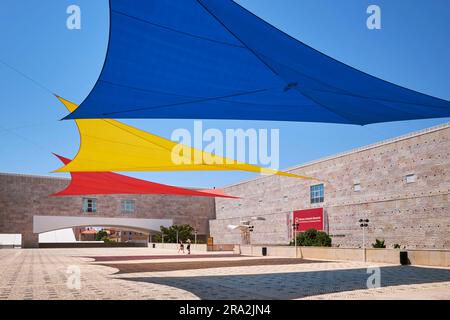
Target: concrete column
30, 240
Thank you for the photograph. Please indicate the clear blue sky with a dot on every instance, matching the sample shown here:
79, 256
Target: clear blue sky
411, 49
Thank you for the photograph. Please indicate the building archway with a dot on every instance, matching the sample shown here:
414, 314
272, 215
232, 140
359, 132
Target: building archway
42, 224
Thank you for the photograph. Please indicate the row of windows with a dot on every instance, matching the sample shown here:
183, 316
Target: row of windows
409, 178
316, 196
317, 191
90, 205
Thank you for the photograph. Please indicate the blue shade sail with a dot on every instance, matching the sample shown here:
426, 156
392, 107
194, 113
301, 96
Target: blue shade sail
213, 59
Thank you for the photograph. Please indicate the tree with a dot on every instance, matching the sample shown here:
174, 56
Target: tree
313, 238
185, 231
101, 235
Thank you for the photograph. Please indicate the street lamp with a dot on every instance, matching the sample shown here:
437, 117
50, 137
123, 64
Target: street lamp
195, 236
250, 230
295, 226
249, 233
364, 223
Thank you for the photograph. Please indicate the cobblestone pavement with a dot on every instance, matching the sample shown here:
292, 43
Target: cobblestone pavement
46, 273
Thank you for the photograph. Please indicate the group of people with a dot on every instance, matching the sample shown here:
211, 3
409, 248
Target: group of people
188, 246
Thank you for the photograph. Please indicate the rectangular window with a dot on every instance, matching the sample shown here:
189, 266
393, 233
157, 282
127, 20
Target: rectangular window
128, 206
357, 187
317, 193
89, 205
410, 178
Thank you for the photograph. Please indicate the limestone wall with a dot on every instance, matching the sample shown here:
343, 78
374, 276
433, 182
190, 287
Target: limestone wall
415, 215
23, 196
438, 258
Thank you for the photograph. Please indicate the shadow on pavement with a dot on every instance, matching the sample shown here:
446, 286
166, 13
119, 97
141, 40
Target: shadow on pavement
156, 257
295, 284
186, 265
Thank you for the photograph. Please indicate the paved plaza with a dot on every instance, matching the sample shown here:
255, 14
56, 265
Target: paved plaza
146, 273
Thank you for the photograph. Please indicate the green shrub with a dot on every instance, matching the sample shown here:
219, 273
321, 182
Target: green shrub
185, 231
378, 244
100, 235
313, 238
105, 239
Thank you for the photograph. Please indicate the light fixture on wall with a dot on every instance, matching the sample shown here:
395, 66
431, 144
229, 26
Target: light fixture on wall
244, 225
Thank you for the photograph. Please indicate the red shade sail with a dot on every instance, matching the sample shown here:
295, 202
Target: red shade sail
87, 183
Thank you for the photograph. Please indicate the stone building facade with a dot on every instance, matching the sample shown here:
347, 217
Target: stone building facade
23, 197
401, 185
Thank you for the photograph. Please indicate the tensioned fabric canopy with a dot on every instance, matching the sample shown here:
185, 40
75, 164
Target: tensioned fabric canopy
110, 145
89, 183
212, 59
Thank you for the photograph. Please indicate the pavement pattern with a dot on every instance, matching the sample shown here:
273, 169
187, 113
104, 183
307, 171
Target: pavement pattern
147, 273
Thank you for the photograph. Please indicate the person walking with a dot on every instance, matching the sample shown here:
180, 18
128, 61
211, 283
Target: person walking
188, 247
181, 247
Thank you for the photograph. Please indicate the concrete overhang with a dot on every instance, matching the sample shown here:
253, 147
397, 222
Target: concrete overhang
51, 223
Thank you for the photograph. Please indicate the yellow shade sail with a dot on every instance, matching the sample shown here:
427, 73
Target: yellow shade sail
109, 145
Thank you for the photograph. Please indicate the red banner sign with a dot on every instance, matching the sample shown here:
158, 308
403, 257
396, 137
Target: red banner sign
309, 219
